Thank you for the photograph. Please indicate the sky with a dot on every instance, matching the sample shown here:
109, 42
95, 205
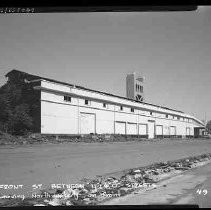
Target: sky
172, 50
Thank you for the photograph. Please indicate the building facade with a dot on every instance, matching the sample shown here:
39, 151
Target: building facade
75, 110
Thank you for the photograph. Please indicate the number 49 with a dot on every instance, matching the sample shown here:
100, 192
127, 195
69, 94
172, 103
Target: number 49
200, 191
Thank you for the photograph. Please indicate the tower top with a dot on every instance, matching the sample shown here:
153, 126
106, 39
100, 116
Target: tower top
134, 86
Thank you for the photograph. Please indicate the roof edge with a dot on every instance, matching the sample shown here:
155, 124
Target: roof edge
84, 88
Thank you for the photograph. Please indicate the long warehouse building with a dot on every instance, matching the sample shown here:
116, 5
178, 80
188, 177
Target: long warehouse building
62, 108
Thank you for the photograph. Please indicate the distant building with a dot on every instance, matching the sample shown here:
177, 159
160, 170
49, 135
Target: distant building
134, 87
63, 108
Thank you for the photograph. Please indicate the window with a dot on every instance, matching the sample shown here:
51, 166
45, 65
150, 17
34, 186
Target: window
150, 113
178, 118
167, 116
87, 102
104, 105
132, 109
67, 98
121, 108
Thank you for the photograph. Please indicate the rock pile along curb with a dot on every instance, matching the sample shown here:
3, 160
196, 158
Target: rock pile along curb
103, 188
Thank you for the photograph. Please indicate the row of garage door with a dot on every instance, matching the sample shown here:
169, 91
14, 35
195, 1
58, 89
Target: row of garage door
88, 125
143, 129
120, 128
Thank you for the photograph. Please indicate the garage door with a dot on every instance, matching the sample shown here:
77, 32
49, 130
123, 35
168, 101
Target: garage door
159, 130
172, 131
142, 129
188, 131
87, 123
131, 128
120, 127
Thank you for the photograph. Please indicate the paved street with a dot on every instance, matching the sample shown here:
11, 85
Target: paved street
68, 163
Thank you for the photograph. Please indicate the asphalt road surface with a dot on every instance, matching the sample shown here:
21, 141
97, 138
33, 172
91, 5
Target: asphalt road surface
68, 163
